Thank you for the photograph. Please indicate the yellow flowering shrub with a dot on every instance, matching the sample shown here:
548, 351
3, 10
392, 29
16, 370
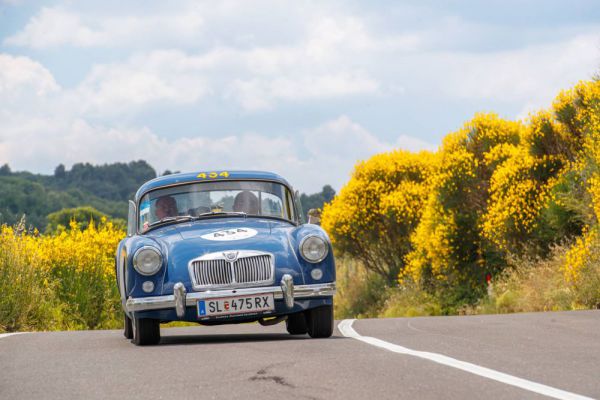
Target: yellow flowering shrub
581, 268
79, 249
580, 254
578, 113
520, 186
374, 214
436, 235
578, 110
27, 295
83, 262
495, 191
594, 189
588, 116
432, 242
76, 265
448, 250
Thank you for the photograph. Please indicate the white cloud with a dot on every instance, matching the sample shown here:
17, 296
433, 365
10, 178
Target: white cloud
254, 78
343, 138
258, 94
313, 66
53, 27
531, 72
337, 145
234, 53
19, 74
166, 76
57, 26
530, 76
41, 143
326, 156
335, 55
411, 143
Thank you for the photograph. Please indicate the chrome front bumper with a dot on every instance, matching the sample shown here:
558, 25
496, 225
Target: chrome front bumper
180, 299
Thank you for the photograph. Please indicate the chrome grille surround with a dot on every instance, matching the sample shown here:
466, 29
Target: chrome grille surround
232, 269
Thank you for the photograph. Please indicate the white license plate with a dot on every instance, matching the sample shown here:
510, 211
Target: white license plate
236, 305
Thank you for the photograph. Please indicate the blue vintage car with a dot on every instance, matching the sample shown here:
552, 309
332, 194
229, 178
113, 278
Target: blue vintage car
222, 247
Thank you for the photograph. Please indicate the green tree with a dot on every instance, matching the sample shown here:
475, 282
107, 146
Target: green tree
5, 170
317, 200
82, 215
60, 172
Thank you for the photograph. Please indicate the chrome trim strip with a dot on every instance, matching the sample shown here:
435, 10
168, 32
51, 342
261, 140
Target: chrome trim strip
149, 303
121, 269
168, 301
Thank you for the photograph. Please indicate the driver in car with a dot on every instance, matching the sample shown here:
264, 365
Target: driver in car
165, 206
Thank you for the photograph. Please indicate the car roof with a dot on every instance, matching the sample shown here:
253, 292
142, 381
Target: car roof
206, 176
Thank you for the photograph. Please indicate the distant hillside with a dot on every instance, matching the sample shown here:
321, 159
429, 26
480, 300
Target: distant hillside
105, 187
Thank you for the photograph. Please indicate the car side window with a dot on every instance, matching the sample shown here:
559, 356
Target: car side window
271, 205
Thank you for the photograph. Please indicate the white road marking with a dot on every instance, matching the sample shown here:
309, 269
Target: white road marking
3, 335
345, 327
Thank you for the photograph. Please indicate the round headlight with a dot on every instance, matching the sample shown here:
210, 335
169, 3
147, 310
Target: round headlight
147, 261
313, 249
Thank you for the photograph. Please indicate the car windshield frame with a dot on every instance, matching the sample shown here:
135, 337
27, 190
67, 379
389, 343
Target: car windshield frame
287, 202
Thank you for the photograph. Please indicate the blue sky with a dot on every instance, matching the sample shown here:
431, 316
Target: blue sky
301, 88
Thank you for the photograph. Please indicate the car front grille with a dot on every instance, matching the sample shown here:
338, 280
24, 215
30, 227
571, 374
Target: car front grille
249, 269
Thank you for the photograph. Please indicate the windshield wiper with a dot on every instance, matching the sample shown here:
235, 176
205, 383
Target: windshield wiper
211, 213
165, 220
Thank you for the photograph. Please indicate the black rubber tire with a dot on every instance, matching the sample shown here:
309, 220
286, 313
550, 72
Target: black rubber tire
146, 331
296, 324
128, 329
319, 322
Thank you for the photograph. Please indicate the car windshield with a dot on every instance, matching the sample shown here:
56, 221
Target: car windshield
207, 199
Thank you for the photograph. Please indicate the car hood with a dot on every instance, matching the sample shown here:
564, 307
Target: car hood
186, 241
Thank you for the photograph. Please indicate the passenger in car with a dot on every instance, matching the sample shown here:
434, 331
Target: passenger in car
247, 202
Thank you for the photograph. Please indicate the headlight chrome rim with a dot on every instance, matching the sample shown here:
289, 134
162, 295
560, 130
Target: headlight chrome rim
136, 261
325, 252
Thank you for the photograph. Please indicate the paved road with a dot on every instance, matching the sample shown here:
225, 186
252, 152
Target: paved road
561, 350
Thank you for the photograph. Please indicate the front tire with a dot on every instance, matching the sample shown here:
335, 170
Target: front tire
146, 331
319, 322
296, 324
128, 329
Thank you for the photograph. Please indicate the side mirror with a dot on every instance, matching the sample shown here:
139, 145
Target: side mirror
131, 219
314, 216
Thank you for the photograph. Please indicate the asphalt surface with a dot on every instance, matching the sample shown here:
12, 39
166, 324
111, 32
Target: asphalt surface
561, 350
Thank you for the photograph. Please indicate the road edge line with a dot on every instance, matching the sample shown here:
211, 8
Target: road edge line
4, 335
346, 329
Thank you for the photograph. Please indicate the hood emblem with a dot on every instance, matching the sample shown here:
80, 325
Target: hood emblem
230, 256
227, 235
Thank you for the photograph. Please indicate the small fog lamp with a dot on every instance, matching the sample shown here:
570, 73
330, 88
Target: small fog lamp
316, 274
148, 286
